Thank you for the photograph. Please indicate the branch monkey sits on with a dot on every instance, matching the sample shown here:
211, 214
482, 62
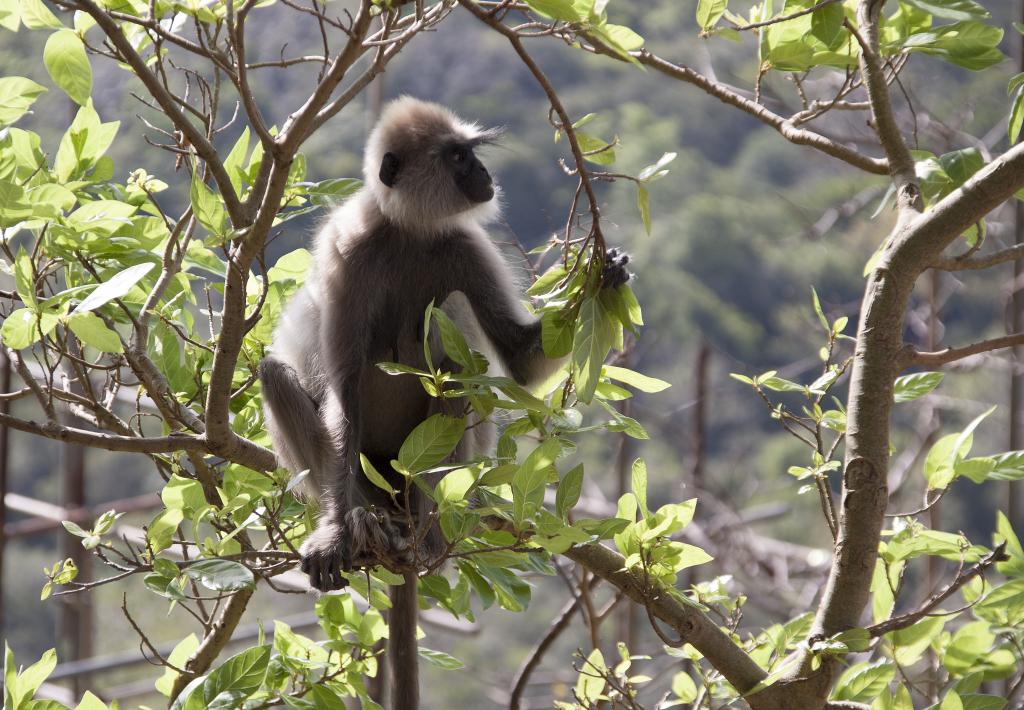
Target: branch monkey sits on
413, 234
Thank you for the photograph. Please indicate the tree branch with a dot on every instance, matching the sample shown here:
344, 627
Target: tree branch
786, 127
214, 641
110, 442
912, 617
556, 103
560, 624
298, 125
912, 356
785, 18
203, 147
692, 624
965, 263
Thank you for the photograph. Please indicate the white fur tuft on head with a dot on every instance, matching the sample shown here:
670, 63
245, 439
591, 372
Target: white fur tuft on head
414, 130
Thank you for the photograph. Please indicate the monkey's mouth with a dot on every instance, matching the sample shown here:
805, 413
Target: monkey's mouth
482, 194
476, 184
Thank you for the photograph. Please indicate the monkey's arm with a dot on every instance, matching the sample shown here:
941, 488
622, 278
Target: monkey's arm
517, 337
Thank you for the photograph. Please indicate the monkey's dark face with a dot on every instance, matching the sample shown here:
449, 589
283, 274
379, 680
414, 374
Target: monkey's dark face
470, 175
449, 178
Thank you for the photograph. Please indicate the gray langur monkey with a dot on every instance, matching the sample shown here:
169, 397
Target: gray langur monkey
413, 234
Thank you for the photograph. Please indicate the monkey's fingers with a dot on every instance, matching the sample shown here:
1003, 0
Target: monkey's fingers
337, 581
615, 273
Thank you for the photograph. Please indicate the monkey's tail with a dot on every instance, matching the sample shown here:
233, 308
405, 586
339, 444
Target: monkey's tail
402, 645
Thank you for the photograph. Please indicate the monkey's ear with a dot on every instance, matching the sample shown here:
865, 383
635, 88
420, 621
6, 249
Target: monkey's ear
389, 169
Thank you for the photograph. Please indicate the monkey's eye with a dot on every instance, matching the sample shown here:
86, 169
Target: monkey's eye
458, 155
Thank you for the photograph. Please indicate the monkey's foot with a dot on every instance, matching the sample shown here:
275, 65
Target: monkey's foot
368, 537
615, 273
375, 538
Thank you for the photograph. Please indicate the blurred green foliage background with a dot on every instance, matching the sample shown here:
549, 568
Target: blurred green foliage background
743, 226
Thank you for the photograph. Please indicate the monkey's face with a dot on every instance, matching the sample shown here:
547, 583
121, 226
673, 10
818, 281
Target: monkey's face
470, 176
448, 178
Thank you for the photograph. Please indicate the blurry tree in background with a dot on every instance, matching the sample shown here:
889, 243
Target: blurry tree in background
135, 327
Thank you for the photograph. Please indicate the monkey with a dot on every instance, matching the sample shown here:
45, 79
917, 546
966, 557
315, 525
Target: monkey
413, 234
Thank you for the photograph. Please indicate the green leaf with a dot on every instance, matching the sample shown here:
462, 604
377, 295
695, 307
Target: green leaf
66, 61
951, 701
82, 146
862, 682
771, 381
236, 679
92, 331
102, 217
430, 442
960, 165
119, 285
51, 200
968, 433
556, 331
817, 309
20, 687
565, 10
37, 16
17, 94
827, 24
440, 659
657, 170
910, 643
639, 486
591, 343
233, 164
24, 282
635, 379
19, 329
910, 387
940, 463
951, 9
683, 687
595, 150
208, 208
1016, 116
901, 700
1004, 605
971, 45
455, 485
374, 476
530, 480
221, 575
590, 685
10, 16
328, 193
643, 203
1008, 466
548, 280
969, 644
569, 489
453, 341
88, 702
709, 12
976, 469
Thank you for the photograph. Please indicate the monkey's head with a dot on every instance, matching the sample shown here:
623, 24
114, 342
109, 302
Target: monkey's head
422, 166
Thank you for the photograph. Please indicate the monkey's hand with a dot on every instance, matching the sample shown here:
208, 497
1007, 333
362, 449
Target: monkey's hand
367, 537
614, 273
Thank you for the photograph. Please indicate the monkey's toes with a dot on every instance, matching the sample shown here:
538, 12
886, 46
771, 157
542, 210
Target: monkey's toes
377, 538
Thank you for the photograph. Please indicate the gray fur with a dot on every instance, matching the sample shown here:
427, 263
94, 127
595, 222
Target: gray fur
379, 260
